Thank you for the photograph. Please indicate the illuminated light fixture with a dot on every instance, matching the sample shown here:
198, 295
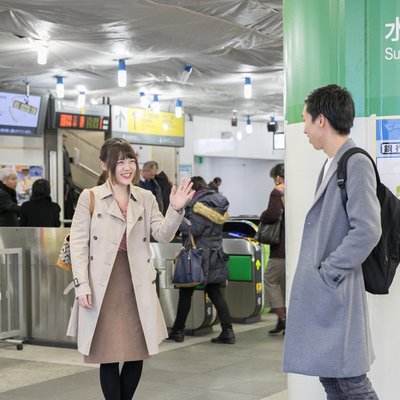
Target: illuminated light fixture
156, 104
249, 127
247, 88
42, 51
239, 136
60, 87
178, 108
187, 70
81, 99
165, 126
234, 119
144, 101
121, 73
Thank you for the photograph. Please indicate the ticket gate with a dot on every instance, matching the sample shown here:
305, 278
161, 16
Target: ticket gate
245, 290
202, 314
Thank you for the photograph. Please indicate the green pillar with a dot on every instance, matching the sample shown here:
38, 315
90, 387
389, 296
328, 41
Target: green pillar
354, 43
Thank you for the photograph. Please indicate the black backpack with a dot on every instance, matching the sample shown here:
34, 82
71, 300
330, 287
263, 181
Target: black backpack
380, 266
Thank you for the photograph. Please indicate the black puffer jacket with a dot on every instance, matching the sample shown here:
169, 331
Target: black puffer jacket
9, 209
207, 212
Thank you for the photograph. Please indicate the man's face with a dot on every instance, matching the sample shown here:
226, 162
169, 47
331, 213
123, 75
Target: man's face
313, 129
11, 181
149, 174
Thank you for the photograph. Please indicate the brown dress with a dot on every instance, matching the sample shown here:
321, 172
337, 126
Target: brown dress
118, 336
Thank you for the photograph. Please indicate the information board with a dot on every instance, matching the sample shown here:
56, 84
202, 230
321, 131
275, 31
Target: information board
67, 115
146, 127
19, 114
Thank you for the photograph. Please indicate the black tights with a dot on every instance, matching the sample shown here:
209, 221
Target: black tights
122, 386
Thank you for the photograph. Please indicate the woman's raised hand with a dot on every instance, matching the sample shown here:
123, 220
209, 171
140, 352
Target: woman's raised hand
181, 195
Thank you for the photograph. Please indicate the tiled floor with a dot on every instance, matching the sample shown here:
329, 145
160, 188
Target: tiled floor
193, 370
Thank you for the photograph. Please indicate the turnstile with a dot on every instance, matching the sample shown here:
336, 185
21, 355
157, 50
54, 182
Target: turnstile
202, 314
11, 296
245, 290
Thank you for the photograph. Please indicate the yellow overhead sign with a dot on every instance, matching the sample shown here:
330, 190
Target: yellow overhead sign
146, 127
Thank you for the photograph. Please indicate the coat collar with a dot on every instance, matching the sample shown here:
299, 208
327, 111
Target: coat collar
134, 211
321, 186
104, 191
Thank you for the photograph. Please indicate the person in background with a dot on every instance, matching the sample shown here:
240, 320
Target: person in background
69, 191
9, 208
274, 276
119, 314
40, 210
165, 185
327, 329
207, 212
147, 181
215, 184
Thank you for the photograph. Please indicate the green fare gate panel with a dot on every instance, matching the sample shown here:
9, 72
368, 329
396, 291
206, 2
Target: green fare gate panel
239, 268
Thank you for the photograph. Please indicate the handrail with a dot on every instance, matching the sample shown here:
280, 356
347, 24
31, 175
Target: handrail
87, 169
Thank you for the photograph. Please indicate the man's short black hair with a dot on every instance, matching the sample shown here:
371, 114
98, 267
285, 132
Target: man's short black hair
334, 103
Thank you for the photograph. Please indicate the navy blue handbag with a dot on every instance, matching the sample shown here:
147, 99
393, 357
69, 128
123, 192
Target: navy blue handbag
188, 270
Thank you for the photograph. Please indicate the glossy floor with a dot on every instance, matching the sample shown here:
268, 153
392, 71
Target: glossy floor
195, 369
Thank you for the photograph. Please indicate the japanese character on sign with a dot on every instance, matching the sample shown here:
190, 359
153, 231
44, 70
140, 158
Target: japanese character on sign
394, 30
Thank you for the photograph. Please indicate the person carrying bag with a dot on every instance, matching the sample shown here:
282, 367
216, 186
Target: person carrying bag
207, 212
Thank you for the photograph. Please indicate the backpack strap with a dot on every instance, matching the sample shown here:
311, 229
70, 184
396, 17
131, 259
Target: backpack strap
341, 172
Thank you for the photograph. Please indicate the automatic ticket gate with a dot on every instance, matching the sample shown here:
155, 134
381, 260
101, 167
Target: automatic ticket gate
245, 290
202, 314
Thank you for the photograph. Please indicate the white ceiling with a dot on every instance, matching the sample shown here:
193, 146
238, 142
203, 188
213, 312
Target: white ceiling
223, 40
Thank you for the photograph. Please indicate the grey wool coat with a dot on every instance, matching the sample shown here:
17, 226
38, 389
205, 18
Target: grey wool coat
327, 330
94, 246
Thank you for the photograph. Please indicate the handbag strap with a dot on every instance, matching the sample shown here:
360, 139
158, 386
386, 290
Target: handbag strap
192, 242
91, 206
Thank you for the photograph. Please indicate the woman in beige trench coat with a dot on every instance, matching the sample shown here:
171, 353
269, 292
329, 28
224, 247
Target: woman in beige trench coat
117, 317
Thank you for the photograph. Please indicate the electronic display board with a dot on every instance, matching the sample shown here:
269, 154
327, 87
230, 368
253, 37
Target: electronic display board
67, 115
19, 114
85, 122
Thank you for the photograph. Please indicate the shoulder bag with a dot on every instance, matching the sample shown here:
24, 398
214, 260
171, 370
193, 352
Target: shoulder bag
188, 270
64, 258
269, 233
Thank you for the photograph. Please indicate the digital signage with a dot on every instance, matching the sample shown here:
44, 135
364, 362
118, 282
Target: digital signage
19, 114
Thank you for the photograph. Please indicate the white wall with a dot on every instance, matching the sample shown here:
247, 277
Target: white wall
245, 182
243, 165
19, 150
302, 166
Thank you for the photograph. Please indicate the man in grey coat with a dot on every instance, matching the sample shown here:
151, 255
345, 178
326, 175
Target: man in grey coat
327, 331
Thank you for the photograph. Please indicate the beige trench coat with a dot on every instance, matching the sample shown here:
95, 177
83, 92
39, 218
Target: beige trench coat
94, 246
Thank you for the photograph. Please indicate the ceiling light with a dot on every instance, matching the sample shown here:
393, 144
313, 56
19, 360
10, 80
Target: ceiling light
156, 104
178, 108
239, 135
234, 119
121, 73
60, 87
81, 99
247, 88
249, 128
187, 70
42, 51
144, 101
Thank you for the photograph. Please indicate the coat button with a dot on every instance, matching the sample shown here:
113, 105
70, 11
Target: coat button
144, 239
95, 237
148, 260
91, 258
99, 215
140, 218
